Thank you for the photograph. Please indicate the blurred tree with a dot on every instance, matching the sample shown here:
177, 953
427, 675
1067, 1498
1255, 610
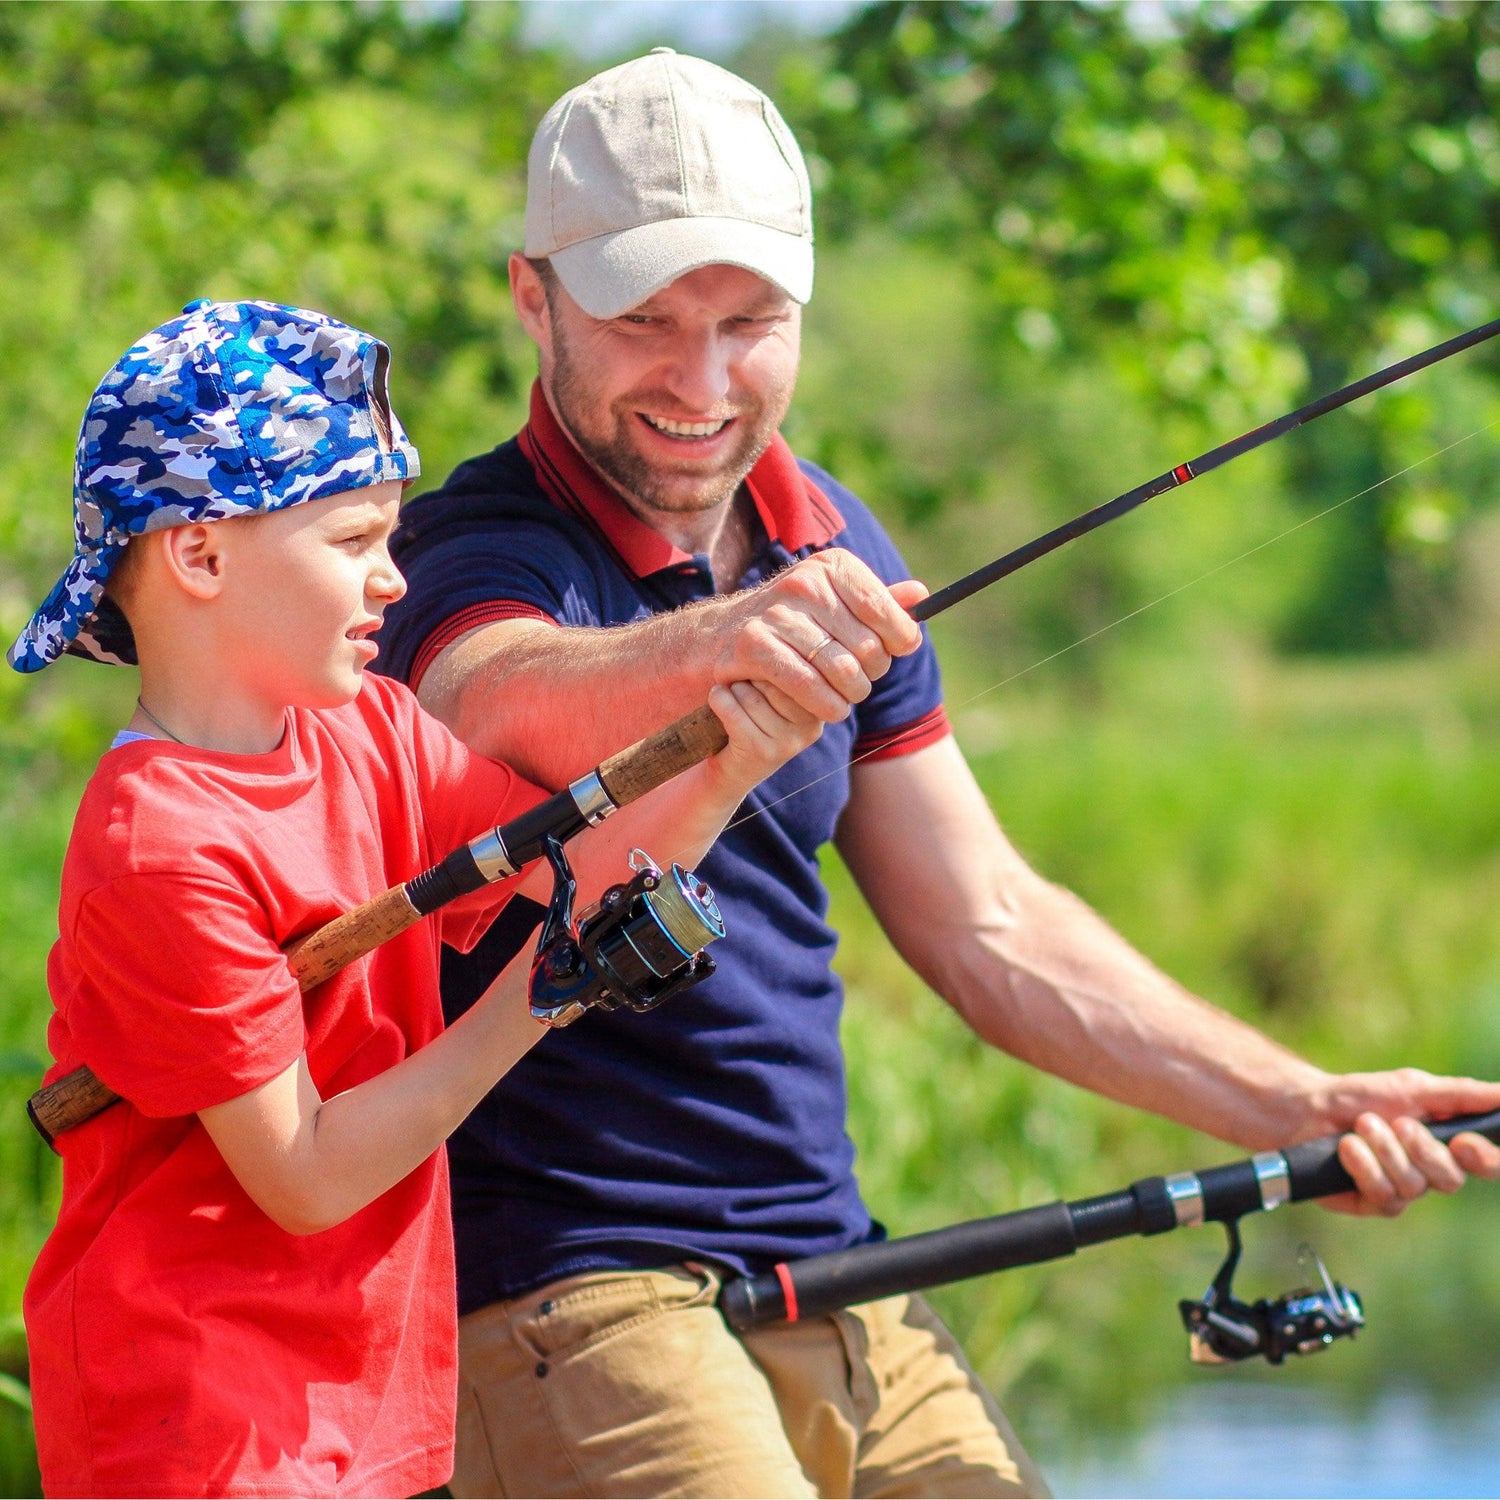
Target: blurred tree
1241, 205
365, 160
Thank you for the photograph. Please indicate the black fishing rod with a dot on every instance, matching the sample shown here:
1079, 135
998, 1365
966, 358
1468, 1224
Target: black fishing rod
702, 727
1220, 1326
1012, 562
643, 944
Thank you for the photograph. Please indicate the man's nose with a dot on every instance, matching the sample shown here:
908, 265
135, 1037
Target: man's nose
697, 372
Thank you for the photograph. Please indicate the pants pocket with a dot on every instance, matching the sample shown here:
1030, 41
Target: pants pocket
580, 1317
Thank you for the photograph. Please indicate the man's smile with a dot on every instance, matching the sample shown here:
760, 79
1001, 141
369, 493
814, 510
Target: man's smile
692, 430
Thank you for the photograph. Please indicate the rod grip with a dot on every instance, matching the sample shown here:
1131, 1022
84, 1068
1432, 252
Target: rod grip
825, 1283
78, 1096
335, 945
1315, 1171
68, 1101
661, 756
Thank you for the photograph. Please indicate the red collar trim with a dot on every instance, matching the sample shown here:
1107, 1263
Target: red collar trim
794, 511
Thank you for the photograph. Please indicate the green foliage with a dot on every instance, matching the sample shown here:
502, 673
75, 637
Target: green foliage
1241, 212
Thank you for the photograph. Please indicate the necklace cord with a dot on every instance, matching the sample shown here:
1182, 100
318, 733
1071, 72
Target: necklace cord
175, 737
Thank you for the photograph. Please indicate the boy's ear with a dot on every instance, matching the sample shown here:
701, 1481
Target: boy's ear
193, 556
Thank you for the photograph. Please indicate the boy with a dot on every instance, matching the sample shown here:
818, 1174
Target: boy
250, 1286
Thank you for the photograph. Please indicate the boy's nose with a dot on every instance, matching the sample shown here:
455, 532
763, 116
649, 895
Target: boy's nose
388, 582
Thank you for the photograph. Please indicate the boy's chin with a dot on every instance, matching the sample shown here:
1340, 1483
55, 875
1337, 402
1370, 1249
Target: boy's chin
334, 691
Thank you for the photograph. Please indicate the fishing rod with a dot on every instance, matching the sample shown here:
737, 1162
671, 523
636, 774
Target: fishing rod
642, 944
1221, 1328
1184, 473
72, 1099
702, 724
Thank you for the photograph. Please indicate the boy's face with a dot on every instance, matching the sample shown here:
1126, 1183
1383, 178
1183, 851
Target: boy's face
308, 587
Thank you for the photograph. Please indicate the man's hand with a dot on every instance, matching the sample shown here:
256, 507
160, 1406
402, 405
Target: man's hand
1390, 1154
822, 632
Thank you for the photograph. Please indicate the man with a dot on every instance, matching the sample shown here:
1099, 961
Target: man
614, 1178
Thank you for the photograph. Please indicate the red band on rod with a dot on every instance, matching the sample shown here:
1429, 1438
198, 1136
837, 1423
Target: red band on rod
788, 1290
1182, 473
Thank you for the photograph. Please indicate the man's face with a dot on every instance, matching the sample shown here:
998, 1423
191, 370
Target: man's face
675, 400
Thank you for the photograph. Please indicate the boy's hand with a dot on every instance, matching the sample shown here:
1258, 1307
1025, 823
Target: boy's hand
765, 728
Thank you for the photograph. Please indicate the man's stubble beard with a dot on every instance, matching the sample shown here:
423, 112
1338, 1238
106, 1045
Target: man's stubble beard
647, 489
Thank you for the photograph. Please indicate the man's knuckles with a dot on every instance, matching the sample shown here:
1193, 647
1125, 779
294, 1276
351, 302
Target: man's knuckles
872, 656
840, 578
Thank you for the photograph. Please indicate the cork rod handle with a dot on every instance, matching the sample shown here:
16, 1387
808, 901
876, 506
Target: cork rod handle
79, 1095
661, 756
335, 945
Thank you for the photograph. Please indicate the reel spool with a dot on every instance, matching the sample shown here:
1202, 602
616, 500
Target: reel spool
640, 945
1223, 1330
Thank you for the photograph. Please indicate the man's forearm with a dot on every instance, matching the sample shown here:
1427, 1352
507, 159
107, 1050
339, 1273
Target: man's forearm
1037, 973
1056, 987
553, 701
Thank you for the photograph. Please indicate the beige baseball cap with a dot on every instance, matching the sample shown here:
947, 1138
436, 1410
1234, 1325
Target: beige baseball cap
659, 166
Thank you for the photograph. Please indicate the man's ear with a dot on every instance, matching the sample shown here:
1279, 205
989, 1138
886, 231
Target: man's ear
530, 297
193, 557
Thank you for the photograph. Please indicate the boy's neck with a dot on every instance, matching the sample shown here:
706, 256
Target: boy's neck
208, 721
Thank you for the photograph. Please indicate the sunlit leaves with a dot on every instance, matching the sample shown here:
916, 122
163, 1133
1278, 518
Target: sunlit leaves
1234, 204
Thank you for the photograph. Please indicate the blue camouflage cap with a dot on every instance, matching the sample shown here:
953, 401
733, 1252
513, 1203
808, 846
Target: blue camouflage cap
231, 409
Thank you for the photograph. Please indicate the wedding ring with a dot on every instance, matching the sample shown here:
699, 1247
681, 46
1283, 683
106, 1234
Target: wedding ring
826, 641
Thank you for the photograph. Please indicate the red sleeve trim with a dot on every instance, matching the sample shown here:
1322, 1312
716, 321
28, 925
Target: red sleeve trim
887, 744
466, 620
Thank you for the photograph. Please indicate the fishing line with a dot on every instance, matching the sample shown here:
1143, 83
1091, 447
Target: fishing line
1094, 635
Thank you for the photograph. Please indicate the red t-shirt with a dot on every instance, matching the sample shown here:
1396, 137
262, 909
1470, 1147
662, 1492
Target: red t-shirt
181, 1343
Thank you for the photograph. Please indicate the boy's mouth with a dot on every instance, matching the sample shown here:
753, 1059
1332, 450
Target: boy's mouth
360, 636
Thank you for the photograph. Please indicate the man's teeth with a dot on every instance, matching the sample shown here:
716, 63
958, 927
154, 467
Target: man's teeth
686, 429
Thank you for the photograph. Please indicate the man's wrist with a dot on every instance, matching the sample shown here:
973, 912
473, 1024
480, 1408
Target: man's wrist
1307, 1106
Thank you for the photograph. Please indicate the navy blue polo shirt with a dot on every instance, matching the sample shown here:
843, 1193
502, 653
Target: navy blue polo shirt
714, 1127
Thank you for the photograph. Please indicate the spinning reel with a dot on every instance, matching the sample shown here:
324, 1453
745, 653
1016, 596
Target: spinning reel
1222, 1329
641, 944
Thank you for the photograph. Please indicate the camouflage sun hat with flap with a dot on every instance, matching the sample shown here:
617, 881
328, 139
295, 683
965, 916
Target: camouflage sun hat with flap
231, 409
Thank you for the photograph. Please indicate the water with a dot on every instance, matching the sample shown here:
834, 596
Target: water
1235, 1437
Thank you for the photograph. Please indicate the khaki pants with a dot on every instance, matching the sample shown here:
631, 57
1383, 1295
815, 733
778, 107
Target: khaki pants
630, 1383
